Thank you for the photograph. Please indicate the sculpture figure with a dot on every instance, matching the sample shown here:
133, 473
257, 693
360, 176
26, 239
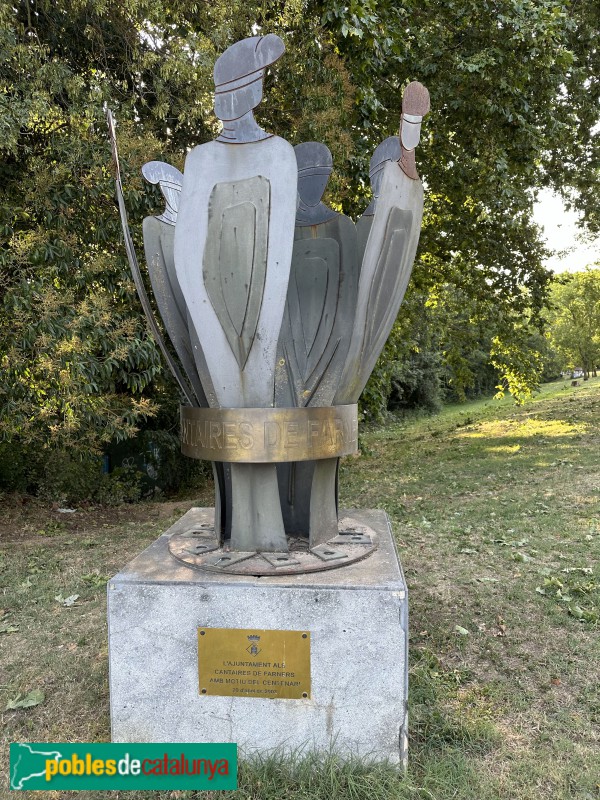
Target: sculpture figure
313, 342
388, 150
277, 308
389, 252
233, 248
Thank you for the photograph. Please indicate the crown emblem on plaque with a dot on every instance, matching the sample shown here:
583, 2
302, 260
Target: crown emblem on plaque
254, 649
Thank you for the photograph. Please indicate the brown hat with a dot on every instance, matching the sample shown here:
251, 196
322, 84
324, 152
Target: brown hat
415, 99
245, 61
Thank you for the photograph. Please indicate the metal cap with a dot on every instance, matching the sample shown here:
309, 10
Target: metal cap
313, 158
245, 61
388, 150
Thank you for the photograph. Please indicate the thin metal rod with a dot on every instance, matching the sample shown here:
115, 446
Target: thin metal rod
135, 269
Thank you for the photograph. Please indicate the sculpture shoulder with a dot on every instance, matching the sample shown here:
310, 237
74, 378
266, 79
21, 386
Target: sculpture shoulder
272, 148
396, 182
346, 225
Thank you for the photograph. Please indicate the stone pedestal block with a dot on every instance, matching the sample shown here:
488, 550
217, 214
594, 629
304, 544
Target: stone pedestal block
357, 619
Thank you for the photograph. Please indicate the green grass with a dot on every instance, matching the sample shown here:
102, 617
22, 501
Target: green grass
497, 515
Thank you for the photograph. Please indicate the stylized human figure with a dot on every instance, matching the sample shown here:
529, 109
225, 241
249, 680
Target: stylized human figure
389, 252
388, 150
233, 249
159, 240
313, 343
159, 236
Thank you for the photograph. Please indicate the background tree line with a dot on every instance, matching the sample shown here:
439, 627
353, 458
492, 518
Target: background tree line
514, 88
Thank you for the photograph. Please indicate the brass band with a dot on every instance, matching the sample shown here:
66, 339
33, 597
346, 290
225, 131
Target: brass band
266, 435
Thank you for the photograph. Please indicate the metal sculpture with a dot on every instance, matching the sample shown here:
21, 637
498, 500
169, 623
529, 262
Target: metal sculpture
313, 342
233, 243
390, 251
276, 318
388, 150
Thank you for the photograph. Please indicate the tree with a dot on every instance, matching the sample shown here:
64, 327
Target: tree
575, 319
79, 368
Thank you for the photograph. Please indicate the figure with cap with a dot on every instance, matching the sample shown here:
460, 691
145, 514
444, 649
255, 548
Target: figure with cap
389, 251
314, 339
388, 150
233, 249
159, 236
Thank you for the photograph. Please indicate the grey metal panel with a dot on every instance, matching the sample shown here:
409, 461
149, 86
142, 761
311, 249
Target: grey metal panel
401, 200
243, 153
319, 311
314, 336
257, 522
235, 258
388, 281
388, 150
363, 229
238, 75
135, 269
158, 247
246, 58
169, 179
315, 165
201, 367
206, 166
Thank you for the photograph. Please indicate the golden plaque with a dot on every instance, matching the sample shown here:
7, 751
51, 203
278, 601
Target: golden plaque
267, 435
233, 662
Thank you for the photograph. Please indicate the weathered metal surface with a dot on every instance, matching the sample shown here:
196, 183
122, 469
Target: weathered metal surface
341, 550
206, 166
388, 260
135, 269
313, 343
256, 519
315, 165
271, 298
235, 258
158, 247
388, 150
169, 179
238, 76
327, 552
269, 435
234, 662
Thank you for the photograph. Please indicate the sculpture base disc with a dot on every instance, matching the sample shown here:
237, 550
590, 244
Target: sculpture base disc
196, 545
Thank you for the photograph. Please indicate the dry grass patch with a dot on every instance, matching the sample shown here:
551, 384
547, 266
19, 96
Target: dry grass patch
490, 503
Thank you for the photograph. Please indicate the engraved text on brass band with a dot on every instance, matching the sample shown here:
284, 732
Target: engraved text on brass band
265, 435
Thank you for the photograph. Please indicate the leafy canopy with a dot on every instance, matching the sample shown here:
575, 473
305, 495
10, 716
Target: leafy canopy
514, 92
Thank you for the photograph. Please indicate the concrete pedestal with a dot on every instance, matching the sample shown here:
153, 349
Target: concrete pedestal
357, 619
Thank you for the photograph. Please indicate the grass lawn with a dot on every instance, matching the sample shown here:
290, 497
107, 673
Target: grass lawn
497, 515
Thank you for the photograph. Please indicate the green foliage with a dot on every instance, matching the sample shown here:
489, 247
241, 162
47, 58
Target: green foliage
66, 477
514, 102
575, 319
